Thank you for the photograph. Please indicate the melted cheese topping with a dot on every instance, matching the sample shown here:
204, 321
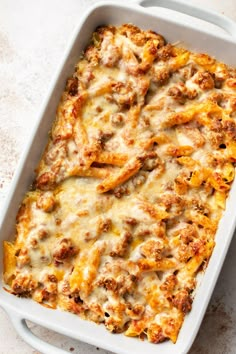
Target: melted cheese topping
131, 187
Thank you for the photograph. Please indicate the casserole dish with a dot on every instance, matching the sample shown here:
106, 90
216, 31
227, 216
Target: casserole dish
96, 16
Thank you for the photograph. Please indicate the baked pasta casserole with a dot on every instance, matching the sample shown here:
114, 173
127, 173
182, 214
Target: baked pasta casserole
130, 189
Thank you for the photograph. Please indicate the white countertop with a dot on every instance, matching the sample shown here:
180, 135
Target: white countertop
33, 37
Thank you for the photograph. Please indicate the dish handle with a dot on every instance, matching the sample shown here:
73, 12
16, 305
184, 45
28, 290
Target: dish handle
29, 337
196, 11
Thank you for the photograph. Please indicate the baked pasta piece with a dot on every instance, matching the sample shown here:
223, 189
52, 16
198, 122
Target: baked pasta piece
131, 186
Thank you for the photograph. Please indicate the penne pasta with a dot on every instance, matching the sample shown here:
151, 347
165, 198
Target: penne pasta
95, 172
120, 176
111, 158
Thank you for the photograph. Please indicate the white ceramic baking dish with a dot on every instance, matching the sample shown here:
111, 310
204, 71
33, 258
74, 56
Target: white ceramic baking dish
20, 310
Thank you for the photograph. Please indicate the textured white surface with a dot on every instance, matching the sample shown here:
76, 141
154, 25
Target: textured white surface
33, 37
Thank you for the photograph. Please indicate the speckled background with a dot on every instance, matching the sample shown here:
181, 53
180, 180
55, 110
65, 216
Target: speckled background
33, 37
